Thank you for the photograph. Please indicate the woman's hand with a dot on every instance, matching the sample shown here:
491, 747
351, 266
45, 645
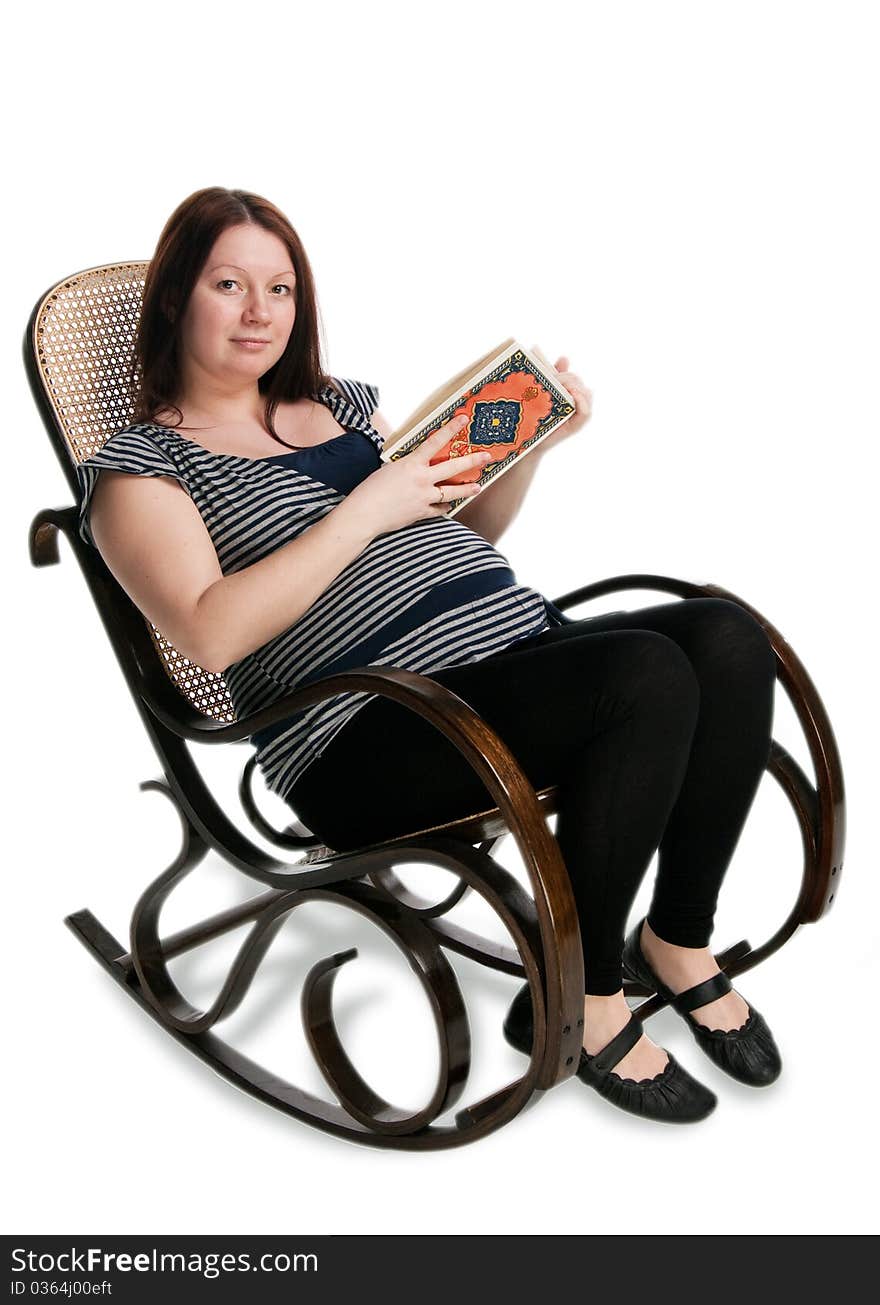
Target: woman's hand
583, 399
409, 489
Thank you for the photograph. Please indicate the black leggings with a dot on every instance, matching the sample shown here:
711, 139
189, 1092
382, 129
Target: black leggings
654, 724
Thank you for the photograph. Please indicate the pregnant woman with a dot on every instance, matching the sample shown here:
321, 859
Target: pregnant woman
247, 513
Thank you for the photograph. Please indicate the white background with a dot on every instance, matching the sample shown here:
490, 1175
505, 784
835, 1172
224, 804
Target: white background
679, 197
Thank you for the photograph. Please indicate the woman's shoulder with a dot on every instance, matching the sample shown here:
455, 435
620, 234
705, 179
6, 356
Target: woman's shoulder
140, 446
362, 395
139, 449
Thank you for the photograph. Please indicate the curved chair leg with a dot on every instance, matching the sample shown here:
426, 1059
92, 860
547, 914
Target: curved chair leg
359, 1114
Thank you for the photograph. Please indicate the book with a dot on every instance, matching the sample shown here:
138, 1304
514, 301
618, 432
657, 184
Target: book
513, 398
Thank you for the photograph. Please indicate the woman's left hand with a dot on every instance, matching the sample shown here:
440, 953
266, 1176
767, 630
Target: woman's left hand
583, 399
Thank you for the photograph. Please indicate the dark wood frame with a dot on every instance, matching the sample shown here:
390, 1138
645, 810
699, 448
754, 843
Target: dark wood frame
544, 926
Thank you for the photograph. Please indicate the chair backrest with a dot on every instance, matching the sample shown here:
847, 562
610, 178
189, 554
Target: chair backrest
82, 341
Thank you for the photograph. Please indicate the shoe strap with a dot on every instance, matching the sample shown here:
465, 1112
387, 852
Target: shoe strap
619, 1045
704, 992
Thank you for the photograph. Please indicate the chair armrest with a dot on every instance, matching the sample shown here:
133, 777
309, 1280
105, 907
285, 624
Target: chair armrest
43, 534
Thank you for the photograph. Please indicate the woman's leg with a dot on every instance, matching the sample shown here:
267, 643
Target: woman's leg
735, 667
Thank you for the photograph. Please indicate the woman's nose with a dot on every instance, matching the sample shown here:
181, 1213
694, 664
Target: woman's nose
257, 310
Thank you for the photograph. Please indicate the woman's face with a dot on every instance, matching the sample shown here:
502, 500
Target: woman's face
244, 295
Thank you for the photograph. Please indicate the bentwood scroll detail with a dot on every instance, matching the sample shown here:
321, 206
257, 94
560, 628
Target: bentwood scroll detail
408, 929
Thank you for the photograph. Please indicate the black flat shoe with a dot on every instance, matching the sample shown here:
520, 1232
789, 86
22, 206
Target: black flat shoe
672, 1096
747, 1054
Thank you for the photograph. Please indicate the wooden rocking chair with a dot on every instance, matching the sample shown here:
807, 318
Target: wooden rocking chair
77, 353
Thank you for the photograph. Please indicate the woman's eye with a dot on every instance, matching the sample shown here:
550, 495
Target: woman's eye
231, 281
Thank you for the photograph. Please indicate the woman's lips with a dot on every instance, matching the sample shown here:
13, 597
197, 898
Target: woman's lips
251, 344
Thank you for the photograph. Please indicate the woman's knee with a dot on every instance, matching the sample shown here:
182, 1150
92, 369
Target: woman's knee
652, 667
725, 630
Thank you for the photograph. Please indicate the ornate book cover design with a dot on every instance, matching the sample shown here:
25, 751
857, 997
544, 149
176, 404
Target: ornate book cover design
513, 400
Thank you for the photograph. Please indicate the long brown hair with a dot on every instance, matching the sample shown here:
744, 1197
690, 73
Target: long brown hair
183, 248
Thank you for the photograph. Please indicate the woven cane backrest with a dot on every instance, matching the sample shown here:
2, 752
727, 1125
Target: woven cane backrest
84, 341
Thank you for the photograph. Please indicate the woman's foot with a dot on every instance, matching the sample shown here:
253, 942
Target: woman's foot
604, 1017
730, 1031
681, 968
627, 1069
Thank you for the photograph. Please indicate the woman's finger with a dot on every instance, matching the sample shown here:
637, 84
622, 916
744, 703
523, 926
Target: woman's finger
437, 438
451, 466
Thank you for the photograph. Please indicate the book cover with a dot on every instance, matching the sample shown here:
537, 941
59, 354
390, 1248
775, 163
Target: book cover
513, 399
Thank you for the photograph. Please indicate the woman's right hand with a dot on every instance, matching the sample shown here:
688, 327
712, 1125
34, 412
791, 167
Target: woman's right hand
408, 489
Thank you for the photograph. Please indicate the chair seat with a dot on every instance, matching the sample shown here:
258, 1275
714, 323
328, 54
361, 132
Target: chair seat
482, 826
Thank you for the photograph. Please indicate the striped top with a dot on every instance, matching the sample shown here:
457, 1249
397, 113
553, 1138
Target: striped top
421, 597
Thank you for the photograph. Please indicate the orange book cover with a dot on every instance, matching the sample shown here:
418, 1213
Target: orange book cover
513, 399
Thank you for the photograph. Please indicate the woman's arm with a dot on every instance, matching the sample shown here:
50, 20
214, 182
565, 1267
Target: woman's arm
154, 541
152, 536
